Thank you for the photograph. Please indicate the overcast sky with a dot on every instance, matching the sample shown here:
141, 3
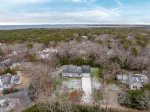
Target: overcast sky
74, 11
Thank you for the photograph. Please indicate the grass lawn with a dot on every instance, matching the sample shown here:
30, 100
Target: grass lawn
96, 73
58, 82
96, 78
72, 83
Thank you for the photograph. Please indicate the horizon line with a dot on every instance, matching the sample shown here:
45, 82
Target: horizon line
125, 24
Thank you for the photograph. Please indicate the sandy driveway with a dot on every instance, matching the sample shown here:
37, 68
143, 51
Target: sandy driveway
25, 77
111, 96
86, 87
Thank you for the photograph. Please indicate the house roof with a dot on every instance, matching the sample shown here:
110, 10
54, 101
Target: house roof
85, 69
72, 69
16, 78
6, 79
122, 77
6, 62
142, 78
75, 69
134, 78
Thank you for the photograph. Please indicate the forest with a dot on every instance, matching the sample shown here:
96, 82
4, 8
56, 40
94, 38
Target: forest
108, 51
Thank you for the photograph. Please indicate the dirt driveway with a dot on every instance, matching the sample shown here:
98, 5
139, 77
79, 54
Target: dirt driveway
25, 80
111, 96
111, 99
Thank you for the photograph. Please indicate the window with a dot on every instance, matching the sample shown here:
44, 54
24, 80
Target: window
134, 87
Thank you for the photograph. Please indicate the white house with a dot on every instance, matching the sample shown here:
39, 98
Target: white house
7, 81
46, 53
136, 86
135, 82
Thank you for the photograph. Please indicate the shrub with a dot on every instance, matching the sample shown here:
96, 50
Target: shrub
8, 91
32, 109
126, 47
66, 107
98, 73
78, 61
115, 59
32, 58
134, 99
63, 60
99, 42
11, 71
142, 41
82, 108
97, 95
147, 86
134, 51
125, 64
30, 45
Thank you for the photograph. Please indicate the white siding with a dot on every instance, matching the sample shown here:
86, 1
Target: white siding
136, 86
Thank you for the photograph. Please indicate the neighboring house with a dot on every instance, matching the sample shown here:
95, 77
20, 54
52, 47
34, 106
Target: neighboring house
8, 104
130, 36
15, 101
84, 38
123, 78
136, 85
16, 64
75, 71
8, 81
5, 64
110, 53
14, 53
46, 53
135, 81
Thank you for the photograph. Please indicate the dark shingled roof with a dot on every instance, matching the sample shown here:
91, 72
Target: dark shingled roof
72, 69
85, 69
75, 69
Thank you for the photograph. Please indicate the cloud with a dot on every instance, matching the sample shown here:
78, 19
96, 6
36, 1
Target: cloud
79, 1
119, 2
93, 15
23, 1
70, 11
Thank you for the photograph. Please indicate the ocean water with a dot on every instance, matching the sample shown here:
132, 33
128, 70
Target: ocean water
11, 27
